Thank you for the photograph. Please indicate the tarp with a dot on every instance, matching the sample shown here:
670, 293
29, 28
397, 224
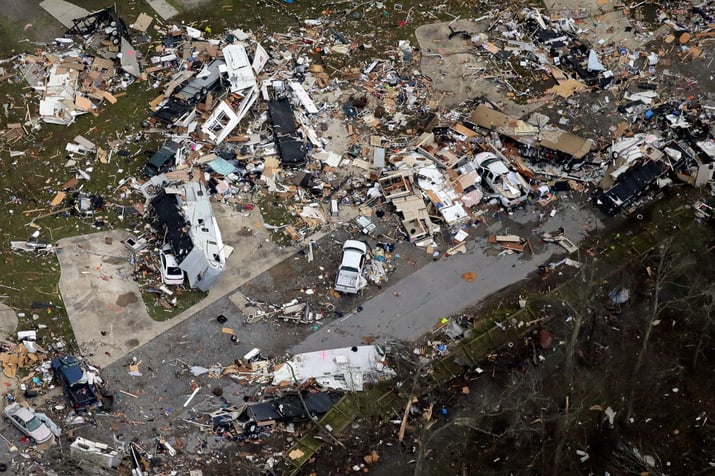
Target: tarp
594, 64
222, 166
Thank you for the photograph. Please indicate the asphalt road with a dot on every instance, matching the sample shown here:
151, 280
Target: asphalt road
411, 307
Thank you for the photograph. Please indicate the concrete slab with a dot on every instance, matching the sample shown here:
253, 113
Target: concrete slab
8, 322
163, 8
605, 23
64, 12
103, 302
456, 72
253, 253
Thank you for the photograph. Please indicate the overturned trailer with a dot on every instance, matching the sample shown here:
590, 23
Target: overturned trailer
635, 183
186, 221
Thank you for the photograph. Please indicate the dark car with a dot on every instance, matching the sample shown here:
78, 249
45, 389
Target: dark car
80, 393
163, 159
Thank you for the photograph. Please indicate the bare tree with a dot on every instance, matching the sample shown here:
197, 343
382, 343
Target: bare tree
667, 291
707, 308
585, 294
523, 395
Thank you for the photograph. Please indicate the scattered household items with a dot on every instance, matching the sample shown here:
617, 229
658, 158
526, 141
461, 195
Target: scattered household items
703, 210
32, 244
619, 295
560, 238
135, 245
97, 453
263, 126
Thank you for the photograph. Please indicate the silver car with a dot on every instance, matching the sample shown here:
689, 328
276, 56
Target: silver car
508, 186
27, 422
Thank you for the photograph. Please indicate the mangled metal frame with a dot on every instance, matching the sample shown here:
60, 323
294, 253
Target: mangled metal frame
121, 37
98, 20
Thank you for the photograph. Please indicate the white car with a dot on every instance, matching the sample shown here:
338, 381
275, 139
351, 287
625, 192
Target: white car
171, 274
27, 422
508, 186
350, 278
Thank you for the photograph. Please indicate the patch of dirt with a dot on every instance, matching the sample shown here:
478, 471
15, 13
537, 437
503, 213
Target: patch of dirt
126, 299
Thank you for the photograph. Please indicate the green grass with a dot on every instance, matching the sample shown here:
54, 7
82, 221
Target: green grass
185, 299
276, 212
9, 32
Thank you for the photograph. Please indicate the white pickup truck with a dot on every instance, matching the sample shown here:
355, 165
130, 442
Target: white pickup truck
350, 278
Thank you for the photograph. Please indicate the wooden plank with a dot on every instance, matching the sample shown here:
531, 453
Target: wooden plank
109, 97
58, 199
154, 104
83, 103
512, 246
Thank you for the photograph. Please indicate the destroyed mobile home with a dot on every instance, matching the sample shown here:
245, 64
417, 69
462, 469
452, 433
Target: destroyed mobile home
437, 179
73, 83
185, 219
239, 121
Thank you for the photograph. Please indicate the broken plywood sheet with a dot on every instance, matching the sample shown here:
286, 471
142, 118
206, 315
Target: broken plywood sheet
463, 130
491, 47
566, 142
109, 97
566, 88
142, 23
83, 103
154, 104
504, 238
58, 199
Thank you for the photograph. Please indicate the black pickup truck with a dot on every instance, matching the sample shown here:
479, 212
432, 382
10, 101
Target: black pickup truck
79, 392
